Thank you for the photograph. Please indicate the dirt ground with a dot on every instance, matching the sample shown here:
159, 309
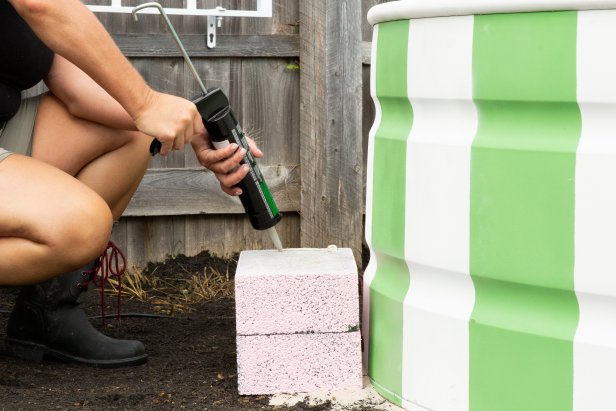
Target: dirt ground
189, 336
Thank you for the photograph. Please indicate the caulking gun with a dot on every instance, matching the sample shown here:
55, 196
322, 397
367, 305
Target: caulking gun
224, 129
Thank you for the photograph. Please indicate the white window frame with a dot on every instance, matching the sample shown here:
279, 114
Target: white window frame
264, 9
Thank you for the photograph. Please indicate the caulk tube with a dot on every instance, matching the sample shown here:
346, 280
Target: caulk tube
224, 129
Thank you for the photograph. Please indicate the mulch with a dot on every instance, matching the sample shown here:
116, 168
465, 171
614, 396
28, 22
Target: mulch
191, 366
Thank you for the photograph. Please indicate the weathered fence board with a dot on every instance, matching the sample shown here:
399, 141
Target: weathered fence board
330, 124
163, 45
184, 191
156, 238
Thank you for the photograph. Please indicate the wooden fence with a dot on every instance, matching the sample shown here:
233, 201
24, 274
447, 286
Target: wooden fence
295, 82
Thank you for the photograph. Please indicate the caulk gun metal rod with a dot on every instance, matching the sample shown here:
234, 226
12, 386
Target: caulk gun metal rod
175, 37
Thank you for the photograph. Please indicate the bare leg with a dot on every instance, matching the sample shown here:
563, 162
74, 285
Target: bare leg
112, 162
45, 212
58, 223
64, 216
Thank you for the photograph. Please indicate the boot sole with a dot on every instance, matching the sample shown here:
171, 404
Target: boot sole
36, 352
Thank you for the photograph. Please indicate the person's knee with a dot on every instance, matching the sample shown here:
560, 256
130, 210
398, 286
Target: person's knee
140, 147
85, 231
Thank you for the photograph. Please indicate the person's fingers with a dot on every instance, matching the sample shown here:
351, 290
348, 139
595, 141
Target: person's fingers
226, 165
188, 135
166, 146
231, 179
201, 144
198, 127
178, 143
232, 191
185, 133
230, 164
208, 157
253, 148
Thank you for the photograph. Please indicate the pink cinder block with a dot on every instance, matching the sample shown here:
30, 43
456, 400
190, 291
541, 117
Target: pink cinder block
288, 363
297, 315
296, 291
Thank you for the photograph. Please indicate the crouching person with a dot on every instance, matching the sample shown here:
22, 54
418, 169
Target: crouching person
70, 161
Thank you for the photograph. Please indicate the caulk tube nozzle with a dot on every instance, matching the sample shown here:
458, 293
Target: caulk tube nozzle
274, 237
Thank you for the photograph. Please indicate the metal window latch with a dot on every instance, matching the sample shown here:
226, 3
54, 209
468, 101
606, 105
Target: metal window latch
212, 23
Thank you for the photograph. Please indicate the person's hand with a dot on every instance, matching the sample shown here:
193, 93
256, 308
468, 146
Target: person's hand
172, 120
224, 162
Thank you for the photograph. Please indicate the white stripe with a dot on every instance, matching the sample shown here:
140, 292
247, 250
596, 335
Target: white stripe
370, 271
404, 10
595, 214
440, 299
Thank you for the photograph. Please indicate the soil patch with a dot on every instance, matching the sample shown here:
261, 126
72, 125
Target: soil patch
190, 340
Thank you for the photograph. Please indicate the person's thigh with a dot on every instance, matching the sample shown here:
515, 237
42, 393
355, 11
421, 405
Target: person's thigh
110, 161
50, 221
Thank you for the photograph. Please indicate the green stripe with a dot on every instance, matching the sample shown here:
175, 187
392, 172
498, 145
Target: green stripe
268, 197
522, 212
391, 281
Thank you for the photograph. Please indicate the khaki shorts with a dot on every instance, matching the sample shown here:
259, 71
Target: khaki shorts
17, 134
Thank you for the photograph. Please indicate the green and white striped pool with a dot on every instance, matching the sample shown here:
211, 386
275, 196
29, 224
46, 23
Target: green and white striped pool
491, 206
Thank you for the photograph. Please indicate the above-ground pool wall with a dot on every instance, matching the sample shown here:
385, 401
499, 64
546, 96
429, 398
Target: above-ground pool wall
490, 212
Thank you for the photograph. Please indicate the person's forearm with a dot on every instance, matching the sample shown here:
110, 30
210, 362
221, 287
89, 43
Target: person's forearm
96, 105
72, 31
83, 97
100, 107
88, 101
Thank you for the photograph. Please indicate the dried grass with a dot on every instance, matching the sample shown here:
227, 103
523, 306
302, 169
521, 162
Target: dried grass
170, 295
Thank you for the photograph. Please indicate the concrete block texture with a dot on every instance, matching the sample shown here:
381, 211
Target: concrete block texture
296, 291
289, 363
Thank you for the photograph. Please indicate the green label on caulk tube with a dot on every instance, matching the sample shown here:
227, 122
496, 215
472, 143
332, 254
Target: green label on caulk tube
268, 197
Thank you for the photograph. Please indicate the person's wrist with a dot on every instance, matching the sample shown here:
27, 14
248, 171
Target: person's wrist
143, 98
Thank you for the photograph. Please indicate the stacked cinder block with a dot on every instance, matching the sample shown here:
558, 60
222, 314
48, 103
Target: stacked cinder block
297, 321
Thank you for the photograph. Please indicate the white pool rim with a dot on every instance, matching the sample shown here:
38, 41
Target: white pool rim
416, 9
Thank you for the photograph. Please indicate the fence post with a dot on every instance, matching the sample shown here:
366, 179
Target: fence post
331, 124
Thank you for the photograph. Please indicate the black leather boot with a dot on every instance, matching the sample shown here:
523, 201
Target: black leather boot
48, 320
